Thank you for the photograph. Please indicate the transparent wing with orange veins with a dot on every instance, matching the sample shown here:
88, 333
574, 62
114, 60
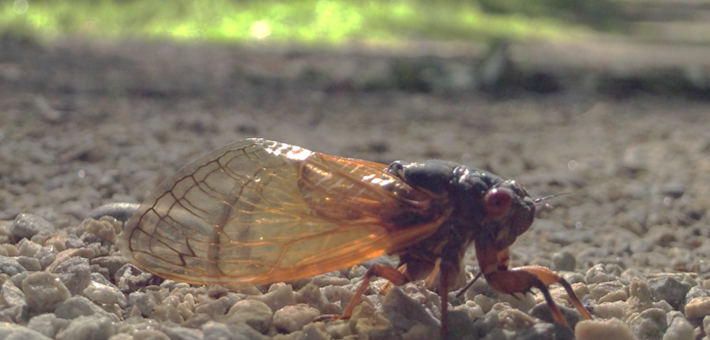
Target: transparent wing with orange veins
258, 211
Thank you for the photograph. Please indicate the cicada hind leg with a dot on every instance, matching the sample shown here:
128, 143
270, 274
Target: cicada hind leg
395, 276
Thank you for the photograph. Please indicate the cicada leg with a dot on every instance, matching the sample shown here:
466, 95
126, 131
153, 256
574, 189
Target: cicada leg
520, 280
393, 275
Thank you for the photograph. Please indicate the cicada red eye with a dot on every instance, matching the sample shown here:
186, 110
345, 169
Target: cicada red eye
498, 203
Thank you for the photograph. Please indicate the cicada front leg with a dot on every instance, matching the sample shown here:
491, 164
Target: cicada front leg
520, 280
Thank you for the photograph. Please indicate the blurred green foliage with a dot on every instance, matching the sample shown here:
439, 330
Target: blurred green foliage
311, 21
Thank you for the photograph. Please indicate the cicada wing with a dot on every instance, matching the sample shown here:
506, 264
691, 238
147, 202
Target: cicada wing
258, 211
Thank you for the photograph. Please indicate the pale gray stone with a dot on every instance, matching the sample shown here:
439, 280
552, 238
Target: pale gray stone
44, 291
91, 327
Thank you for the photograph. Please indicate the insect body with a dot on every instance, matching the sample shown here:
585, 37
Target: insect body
258, 211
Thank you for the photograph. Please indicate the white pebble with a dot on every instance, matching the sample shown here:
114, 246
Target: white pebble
603, 330
292, 318
44, 291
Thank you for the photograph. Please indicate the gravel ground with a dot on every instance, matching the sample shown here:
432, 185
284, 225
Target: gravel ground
85, 124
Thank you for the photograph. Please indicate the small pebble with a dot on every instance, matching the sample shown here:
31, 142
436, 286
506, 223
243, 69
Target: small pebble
28, 225
679, 328
292, 318
697, 308
669, 289
183, 333
44, 291
649, 324
47, 324
214, 308
30, 263
279, 295
13, 331
77, 306
639, 297
608, 310
10, 266
597, 274
254, 313
104, 294
673, 189
316, 297
91, 327
216, 331
11, 295
75, 273
404, 312
563, 261
603, 330
103, 229
28, 248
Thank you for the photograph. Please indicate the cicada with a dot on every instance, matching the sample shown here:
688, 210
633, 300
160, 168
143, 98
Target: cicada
258, 211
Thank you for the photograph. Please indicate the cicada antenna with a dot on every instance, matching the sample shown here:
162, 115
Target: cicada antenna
541, 200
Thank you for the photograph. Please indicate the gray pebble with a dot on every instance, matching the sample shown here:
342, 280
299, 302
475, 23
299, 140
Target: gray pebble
74, 242
182, 333
563, 261
254, 313
567, 237
292, 318
216, 331
11, 295
28, 225
46, 256
679, 328
145, 302
546, 331
91, 327
124, 336
243, 331
694, 292
598, 274
44, 291
30, 263
11, 331
404, 312
639, 297
673, 189
214, 308
196, 320
640, 246
13, 305
149, 334
649, 324
604, 329
28, 248
75, 273
129, 278
47, 324
542, 311
10, 266
103, 229
313, 296
104, 294
77, 306
279, 295
670, 289
120, 211
697, 308
113, 263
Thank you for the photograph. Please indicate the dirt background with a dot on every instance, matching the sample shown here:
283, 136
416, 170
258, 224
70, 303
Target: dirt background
84, 123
